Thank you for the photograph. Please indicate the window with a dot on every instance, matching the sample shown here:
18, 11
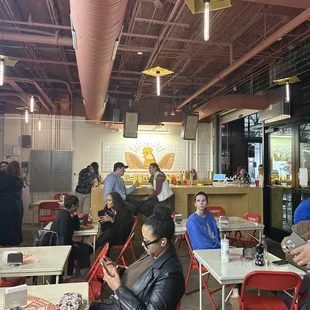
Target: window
304, 150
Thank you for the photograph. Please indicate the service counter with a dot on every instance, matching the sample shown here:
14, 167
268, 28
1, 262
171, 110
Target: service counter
236, 200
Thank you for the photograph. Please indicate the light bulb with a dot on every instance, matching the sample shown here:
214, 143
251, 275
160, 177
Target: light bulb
39, 125
31, 104
26, 116
287, 90
1, 71
206, 33
158, 85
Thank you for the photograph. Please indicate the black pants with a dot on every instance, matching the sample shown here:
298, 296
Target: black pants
147, 208
80, 252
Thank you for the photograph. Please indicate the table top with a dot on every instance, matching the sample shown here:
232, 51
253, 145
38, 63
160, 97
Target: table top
38, 261
54, 292
83, 232
36, 203
238, 223
237, 268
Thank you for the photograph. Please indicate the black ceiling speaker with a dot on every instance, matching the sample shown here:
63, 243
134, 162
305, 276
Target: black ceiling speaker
189, 126
131, 122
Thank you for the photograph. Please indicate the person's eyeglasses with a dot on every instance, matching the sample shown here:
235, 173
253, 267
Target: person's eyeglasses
148, 243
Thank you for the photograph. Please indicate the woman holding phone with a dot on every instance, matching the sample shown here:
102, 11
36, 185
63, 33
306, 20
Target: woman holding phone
156, 280
116, 221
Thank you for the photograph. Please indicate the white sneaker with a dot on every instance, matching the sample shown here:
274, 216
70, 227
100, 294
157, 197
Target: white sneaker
235, 293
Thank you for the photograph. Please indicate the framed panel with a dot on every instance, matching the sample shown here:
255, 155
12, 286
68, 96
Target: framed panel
131, 122
189, 126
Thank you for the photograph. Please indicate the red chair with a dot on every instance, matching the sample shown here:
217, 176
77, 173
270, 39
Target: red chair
57, 196
216, 211
127, 245
4, 282
239, 239
93, 275
269, 281
193, 264
178, 307
53, 207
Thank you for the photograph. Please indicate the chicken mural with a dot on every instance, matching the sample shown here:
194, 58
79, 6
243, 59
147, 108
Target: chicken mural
134, 162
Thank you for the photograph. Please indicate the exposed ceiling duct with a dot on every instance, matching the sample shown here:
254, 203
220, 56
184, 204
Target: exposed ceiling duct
301, 18
97, 25
233, 102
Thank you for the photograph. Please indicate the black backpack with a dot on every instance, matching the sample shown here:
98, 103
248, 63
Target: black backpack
45, 237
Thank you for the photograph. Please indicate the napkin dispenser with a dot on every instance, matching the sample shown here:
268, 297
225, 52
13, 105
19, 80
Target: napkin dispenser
178, 218
15, 297
224, 220
13, 258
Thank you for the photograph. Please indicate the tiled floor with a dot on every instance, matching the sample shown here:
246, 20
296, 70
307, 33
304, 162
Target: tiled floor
189, 302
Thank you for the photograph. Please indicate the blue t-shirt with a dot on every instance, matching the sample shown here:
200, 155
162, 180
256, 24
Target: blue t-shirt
203, 232
302, 213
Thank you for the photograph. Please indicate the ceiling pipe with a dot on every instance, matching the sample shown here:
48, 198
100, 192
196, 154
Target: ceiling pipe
304, 16
43, 25
47, 61
98, 25
161, 22
233, 102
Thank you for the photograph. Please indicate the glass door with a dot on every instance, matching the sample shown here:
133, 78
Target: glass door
254, 159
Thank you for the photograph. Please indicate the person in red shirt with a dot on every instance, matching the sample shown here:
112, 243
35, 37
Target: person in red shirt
161, 190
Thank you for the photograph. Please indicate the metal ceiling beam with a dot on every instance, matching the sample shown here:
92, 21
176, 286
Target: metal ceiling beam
162, 22
47, 61
300, 4
43, 25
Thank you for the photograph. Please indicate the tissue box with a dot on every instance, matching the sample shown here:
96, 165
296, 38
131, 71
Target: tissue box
223, 220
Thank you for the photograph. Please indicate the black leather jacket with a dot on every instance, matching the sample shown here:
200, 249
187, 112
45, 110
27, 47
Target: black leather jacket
159, 288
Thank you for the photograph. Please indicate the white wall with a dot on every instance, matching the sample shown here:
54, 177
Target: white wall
85, 139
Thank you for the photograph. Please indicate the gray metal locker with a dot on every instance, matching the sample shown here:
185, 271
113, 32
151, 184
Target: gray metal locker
61, 171
40, 171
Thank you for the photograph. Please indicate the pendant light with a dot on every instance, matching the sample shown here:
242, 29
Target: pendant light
206, 32
39, 124
26, 116
1, 71
287, 92
31, 104
158, 82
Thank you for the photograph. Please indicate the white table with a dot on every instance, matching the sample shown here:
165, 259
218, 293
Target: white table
235, 224
54, 292
48, 261
84, 233
235, 271
35, 205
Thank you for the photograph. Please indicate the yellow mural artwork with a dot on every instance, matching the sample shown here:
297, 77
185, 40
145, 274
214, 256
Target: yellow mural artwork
134, 162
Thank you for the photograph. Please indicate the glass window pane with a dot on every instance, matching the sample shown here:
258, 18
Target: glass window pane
304, 147
281, 157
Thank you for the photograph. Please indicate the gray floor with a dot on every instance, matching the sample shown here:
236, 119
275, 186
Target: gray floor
189, 302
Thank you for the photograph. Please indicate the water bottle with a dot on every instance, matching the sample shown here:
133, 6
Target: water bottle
259, 255
225, 250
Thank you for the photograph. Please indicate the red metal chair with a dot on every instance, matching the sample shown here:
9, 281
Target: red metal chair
193, 264
4, 282
127, 245
57, 196
216, 211
93, 275
53, 207
269, 281
178, 307
239, 238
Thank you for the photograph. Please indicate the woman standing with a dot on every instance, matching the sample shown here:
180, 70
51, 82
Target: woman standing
116, 221
161, 190
11, 206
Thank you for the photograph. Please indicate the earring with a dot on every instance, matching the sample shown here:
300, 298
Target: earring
162, 244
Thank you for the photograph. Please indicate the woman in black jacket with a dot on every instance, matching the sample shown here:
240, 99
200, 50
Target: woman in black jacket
156, 280
116, 221
64, 225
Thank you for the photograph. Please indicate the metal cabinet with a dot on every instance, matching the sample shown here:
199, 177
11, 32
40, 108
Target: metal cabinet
50, 171
61, 171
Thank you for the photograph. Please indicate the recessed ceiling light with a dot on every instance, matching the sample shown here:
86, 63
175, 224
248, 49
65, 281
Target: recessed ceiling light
140, 53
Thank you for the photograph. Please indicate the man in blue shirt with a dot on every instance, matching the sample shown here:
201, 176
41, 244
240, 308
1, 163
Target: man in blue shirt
201, 226
115, 183
87, 177
302, 212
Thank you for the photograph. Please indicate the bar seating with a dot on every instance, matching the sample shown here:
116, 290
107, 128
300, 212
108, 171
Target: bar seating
269, 281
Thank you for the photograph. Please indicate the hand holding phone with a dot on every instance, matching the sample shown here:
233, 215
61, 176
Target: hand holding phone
105, 263
292, 242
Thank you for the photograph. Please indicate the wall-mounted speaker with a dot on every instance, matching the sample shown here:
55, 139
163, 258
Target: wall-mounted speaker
189, 126
131, 122
26, 141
